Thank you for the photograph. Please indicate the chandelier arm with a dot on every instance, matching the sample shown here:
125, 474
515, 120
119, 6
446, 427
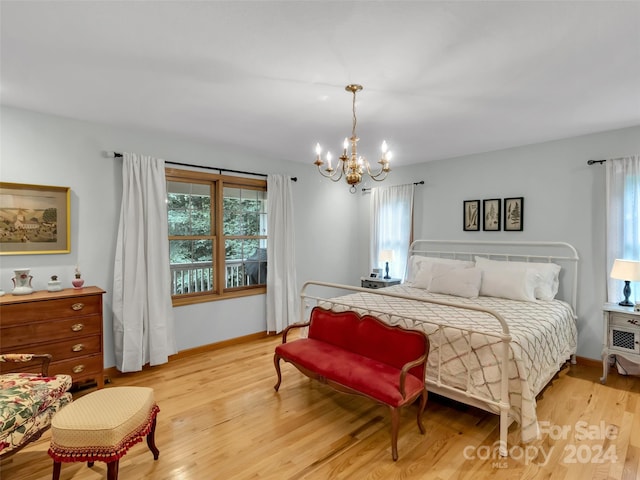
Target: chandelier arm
384, 169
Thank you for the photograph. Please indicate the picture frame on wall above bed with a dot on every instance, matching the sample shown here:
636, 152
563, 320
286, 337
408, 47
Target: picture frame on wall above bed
513, 214
471, 215
491, 215
34, 219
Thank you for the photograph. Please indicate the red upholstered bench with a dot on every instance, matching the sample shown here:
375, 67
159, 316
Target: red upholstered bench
364, 356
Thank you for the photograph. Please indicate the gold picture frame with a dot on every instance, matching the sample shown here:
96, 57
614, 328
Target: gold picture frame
34, 219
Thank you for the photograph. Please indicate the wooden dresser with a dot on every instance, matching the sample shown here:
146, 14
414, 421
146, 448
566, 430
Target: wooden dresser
66, 324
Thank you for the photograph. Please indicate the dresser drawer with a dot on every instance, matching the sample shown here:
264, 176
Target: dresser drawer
624, 320
64, 349
40, 332
20, 313
80, 368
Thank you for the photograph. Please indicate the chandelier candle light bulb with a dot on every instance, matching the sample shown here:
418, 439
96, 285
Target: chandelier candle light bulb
350, 164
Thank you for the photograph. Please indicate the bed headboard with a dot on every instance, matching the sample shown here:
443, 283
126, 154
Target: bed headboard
561, 253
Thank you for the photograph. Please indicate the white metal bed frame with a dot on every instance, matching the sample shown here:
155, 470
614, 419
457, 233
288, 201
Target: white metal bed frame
561, 253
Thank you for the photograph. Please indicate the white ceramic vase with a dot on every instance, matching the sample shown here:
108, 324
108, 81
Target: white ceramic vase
22, 281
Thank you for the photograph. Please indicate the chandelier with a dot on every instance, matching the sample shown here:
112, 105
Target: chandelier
350, 165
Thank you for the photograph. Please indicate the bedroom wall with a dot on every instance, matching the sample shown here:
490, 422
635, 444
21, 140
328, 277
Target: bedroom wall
563, 201
49, 150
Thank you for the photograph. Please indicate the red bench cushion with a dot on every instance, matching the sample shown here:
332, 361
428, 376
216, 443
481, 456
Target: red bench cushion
370, 377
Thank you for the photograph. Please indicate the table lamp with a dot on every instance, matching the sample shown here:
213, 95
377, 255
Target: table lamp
629, 271
386, 256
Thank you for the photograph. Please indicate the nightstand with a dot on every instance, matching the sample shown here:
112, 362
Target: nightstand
621, 335
366, 282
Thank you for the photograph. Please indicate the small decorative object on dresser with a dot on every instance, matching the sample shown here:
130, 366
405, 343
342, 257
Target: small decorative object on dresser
66, 324
54, 284
77, 282
22, 281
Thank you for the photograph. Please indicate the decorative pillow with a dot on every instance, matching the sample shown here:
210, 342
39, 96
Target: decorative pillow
514, 284
548, 274
418, 262
461, 282
423, 275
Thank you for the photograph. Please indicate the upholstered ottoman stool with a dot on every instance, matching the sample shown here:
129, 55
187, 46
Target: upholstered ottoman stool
102, 426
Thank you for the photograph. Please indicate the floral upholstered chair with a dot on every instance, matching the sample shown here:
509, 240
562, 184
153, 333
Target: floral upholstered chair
28, 400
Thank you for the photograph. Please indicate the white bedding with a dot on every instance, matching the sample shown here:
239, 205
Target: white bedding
544, 335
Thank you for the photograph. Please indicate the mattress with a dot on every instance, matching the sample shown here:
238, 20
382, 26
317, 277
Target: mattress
544, 336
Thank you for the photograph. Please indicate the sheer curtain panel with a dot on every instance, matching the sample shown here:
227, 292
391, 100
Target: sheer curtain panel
623, 219
391, 226
282, 294
143, 324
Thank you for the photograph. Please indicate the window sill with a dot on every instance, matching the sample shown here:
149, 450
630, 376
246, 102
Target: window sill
200, 298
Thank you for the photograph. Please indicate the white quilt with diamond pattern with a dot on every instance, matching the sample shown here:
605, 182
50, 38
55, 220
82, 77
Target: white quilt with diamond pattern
544, 335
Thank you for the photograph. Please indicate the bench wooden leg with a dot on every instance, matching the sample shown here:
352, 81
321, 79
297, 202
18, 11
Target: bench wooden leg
151, 440
276, 362
395, 424
423, 404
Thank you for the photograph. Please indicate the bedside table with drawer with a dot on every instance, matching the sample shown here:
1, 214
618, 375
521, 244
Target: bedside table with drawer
366, 282
66, 324
621, 335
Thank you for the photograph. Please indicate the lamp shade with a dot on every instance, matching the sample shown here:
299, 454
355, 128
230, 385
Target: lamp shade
386, 256
628, 270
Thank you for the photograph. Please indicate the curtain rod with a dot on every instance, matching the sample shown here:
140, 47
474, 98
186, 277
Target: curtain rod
591, 162
220, 170
421, 182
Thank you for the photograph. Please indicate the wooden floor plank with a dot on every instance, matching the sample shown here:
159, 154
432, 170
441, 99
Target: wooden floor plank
220, 418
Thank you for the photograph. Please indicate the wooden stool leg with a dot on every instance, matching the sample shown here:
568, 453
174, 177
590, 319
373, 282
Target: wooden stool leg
112, 470
56, 471
89, 464
151, 440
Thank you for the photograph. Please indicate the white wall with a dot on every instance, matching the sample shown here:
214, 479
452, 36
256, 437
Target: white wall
563, 201
49, 150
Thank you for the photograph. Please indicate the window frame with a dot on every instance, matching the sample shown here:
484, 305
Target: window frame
217, 184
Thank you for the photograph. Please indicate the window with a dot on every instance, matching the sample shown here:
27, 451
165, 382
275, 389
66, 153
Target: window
217, 236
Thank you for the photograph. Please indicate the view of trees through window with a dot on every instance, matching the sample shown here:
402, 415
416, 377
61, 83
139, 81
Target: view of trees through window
193, 236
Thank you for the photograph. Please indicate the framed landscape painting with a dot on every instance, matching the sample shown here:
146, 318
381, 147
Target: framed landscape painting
34, 219
513, 214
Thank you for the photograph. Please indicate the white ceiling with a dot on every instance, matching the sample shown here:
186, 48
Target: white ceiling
441, 79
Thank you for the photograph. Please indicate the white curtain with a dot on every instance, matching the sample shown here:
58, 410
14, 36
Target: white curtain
623, 219
391, 226
143, 324
282, 294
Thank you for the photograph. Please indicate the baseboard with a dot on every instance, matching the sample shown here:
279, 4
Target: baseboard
114, 372
588, 362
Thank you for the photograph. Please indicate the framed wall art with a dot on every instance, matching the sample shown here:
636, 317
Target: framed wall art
491, 215
513, 214
34, 219
471, 215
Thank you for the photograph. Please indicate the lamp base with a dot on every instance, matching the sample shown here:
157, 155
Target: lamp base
626, 304
626, 291
386, 271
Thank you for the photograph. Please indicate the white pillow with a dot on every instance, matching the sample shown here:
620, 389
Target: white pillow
422, 277
513, 284
417, 262
462, 282
548, 280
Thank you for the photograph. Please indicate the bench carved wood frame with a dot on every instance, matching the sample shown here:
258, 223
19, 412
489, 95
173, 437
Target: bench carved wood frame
394, 411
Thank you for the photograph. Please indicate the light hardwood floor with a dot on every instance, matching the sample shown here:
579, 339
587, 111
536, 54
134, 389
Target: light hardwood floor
221, 419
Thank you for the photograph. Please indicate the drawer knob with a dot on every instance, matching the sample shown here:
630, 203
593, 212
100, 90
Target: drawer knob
78, 369
78, 347
77, 306
77, 327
